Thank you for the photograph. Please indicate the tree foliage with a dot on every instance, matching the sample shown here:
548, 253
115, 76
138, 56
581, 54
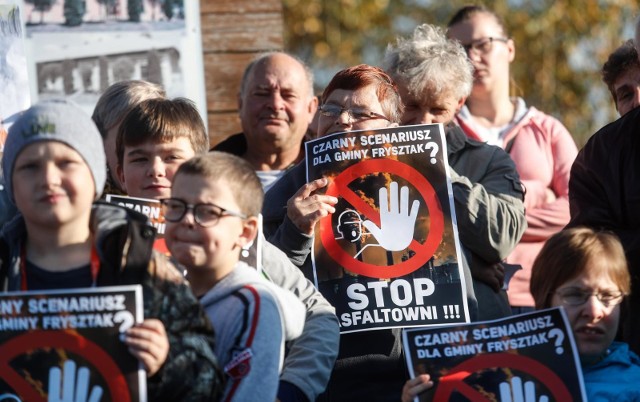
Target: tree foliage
560, 45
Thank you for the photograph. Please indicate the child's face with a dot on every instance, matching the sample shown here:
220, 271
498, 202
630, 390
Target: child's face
147, 169
594, 323
215, 247
53, 185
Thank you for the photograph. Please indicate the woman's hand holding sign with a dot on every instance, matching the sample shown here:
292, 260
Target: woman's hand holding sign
397, 223
306, 207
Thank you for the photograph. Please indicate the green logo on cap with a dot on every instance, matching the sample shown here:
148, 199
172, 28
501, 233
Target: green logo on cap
39, 125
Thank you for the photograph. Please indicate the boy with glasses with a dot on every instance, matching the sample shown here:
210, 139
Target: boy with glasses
211, 216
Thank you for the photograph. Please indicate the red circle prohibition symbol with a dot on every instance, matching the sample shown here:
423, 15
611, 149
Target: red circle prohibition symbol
423, 252
454, 381
94, 354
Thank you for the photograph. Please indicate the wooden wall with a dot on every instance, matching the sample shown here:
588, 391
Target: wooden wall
233, 33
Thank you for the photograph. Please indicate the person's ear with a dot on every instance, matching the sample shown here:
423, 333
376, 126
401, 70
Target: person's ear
511, 47
313, 108
120, 173
249, 231
461, 102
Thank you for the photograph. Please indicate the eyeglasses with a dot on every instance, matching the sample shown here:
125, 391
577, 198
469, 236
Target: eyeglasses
482, 46
334, 111
205, 215
577, 297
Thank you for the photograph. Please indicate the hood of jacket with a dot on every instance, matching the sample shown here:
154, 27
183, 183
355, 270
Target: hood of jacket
292, 311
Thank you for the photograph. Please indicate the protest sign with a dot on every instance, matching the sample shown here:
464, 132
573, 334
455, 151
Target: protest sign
67, 342
488, 361
388, 256
149, 207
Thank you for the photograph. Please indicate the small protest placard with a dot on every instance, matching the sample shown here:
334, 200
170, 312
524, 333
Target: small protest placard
490, 361
67, 343
388, 256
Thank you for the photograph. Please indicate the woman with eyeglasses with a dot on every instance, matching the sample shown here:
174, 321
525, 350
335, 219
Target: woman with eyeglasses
541, 147
585, 272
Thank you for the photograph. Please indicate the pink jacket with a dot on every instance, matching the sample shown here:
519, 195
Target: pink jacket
543, 151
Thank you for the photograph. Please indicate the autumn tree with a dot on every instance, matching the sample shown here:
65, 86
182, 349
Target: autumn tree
560, 45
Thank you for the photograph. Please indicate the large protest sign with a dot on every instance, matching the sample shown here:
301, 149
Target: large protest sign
388, 256
59, 345
494, 360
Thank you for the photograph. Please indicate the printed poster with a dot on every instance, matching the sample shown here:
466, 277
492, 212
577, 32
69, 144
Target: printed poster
388, 256
149, 207
532, 354
13, 68
60, 345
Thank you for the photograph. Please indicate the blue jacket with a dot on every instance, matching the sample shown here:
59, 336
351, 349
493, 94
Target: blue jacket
616, 378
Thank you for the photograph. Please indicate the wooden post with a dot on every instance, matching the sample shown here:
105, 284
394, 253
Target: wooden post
233, 33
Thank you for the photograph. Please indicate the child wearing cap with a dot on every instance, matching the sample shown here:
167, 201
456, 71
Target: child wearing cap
211, 216
54, 166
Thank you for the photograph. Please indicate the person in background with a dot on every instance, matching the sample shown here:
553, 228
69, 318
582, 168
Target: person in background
56, 168
585, 272
541, 147
434, 77
621, 73
277, 104
154, 139
113, 105
211, 216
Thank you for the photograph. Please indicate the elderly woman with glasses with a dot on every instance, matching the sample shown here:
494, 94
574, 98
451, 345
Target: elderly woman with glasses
585, 272
357, 98
370, 365
541, 147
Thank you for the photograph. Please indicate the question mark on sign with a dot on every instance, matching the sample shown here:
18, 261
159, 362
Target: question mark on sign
434, 150
559, 335
126, 318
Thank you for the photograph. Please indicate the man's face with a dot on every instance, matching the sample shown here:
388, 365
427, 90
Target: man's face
352, 103
147, 169
277, 106
627, 90
52, 185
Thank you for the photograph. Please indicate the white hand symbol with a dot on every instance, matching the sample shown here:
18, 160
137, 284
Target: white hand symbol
528, 394
73, 391
396, 223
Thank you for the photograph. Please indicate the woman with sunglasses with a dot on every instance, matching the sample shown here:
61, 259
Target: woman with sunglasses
539, 144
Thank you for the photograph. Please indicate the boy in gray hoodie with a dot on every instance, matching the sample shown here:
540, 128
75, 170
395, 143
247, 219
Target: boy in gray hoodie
211, 217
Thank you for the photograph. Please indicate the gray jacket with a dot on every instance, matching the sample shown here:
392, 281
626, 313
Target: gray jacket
252, 318
311, 356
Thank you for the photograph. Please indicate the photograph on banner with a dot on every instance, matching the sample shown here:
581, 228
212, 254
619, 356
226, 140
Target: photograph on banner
14, 80
388, 256
531, 354
67, 342
153, 210
79, 48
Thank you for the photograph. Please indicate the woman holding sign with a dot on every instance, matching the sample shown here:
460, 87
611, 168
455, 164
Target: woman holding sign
585, 272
